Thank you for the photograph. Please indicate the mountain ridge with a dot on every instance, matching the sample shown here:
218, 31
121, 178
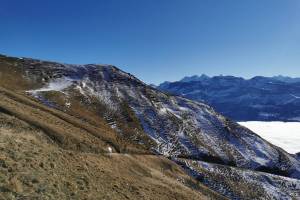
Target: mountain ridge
256, 99
204, 76
143, 119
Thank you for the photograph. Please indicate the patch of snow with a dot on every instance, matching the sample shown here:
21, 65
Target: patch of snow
296, 97
78, 87
183, 108
56, 85
68, 104
163, 110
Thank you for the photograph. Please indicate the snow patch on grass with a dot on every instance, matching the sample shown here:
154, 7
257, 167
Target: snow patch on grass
56, 85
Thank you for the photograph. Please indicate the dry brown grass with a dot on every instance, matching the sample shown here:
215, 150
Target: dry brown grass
33, 167
48, 153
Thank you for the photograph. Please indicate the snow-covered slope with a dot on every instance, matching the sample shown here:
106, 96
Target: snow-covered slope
237, 183
169, 125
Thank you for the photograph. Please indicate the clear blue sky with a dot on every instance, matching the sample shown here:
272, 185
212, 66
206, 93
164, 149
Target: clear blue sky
158, 40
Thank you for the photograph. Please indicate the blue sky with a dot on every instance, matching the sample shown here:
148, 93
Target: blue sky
158, 40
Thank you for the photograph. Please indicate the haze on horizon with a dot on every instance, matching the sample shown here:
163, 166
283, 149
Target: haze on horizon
158, 40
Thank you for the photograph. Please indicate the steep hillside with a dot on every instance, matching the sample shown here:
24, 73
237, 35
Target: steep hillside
115, 110
48, 154
237, 183
256, 99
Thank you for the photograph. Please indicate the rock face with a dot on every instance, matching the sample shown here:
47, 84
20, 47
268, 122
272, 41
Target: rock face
145, 120
256, 99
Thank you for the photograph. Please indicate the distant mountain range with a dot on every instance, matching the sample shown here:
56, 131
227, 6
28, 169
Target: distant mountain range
259, 98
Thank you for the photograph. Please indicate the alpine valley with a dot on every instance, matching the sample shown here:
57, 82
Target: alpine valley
96, 132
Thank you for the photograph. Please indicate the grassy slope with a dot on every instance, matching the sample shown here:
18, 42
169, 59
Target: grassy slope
48, 154
33, 167
12, 71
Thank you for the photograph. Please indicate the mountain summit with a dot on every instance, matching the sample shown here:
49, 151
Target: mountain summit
195, 78
112, 111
